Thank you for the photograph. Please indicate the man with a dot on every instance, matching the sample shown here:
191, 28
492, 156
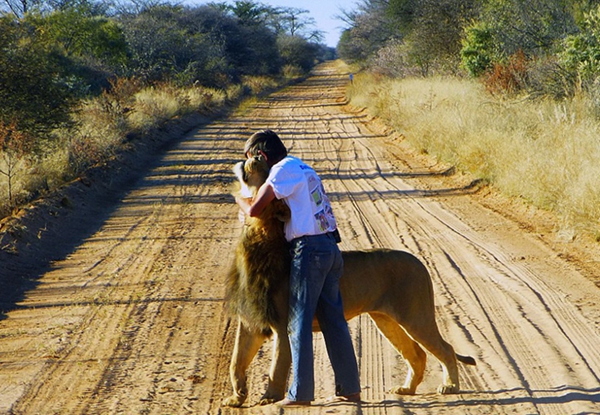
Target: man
315, 272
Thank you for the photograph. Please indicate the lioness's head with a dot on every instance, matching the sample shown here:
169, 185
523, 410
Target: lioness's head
251, 174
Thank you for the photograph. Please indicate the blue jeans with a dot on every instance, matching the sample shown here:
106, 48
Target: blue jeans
314, 290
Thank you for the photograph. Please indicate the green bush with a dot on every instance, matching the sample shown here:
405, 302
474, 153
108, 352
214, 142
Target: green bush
533, 26
477, 53
296, 51
33, 87
79, 33
581, 52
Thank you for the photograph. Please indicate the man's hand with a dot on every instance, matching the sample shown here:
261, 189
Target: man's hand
254, 207
243, 203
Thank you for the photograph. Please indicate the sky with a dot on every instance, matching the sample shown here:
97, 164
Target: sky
323, 11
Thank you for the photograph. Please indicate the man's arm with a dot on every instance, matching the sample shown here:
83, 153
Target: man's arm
254, 207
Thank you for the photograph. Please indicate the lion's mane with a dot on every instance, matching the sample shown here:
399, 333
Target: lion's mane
254, 276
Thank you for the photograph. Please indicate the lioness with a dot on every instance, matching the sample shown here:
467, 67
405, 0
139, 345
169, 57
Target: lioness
393, 287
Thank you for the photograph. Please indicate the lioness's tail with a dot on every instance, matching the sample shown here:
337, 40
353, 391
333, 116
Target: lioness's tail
467, 360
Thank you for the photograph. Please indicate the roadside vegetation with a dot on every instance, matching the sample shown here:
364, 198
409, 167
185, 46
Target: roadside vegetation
82, 80
508, 90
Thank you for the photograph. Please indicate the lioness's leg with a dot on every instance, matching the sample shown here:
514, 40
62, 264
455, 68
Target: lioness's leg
280, 367
414, 356
429, 337
246, 346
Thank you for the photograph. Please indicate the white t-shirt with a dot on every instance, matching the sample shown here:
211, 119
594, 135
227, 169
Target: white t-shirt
301, 189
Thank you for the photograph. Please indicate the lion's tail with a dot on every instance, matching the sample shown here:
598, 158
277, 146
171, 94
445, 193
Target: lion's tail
467, 360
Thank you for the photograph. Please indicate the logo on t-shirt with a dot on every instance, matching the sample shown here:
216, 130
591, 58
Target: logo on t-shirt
317, 197
322, 221
316, 191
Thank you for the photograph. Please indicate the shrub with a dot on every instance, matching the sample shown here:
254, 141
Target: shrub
33, 89
259, 84
534, 26
509, 77
292, 71
477, 53
547, 77
155, 105
119, 98
581, 52
297, 51
14, 146
206, 100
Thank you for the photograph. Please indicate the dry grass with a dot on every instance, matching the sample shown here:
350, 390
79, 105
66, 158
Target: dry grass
543, 151
102, 125
260, 84
205, 99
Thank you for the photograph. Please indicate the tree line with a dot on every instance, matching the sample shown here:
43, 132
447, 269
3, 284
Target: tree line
54, 52
545, 47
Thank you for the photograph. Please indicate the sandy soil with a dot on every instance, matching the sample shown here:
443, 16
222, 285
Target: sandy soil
114, 305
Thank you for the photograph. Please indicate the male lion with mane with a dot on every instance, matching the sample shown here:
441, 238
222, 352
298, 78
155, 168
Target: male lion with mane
393, 287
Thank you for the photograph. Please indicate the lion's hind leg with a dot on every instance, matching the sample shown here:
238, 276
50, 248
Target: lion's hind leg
247, 343
429, 337
413, 354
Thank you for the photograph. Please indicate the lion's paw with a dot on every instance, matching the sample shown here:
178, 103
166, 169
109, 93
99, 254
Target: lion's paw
448, 389
268, 399
403, 391
234, 401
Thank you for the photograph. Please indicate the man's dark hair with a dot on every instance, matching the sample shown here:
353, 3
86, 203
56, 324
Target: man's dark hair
269, 143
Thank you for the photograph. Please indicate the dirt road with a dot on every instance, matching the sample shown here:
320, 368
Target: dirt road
131, 319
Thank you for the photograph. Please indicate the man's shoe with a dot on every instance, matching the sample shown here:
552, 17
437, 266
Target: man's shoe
288, 402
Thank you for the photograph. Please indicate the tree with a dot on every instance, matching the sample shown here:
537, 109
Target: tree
292, 21
402, 14
298, 52
133, 8
249, 13
250, 44
19, 8
533, 26
33, 87
161, 47
431, 31
92, 46
370, 28
581, 54
436, 30
206, 44
80, 33
477, 53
